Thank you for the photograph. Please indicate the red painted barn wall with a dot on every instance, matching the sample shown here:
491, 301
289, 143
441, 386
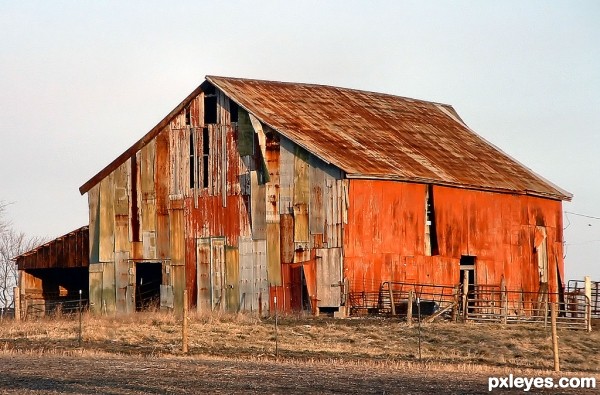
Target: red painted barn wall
385, 236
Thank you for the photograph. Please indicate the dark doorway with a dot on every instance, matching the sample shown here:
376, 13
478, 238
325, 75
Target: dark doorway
300, 300
148, 277
467, 278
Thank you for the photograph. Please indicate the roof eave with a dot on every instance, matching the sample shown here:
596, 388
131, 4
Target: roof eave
391, 177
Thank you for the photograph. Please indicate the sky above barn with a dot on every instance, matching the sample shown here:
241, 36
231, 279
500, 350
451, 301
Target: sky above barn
82, 81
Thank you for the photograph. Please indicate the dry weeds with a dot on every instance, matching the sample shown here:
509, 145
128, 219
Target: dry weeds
364, 341
140, 354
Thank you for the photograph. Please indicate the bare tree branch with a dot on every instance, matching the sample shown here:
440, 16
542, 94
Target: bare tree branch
12, 244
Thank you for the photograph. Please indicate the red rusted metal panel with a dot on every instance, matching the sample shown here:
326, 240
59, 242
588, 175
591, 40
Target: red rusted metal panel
385, 231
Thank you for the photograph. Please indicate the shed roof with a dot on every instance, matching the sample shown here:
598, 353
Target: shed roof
67, 251
376, 135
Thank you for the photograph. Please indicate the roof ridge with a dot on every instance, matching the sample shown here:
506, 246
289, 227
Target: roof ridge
341, 88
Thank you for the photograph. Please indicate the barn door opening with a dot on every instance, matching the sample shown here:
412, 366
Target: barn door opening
467, 280
299, 297
148, 277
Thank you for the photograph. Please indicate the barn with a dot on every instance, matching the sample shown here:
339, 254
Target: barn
251, 193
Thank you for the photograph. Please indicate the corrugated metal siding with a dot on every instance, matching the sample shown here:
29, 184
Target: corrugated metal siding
386, 227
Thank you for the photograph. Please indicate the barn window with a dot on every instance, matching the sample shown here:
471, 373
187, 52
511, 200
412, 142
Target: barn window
233, 111
188, 116
210, 109
205, 157
431, 242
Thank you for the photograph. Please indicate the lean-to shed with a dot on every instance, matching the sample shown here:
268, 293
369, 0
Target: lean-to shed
53, 273
253, 189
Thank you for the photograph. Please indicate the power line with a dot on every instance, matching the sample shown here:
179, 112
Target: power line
582, 215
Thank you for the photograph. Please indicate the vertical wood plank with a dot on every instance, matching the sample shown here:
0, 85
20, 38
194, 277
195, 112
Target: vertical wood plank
107, 219
177, 227
273, 254
232, 278
286, 176
203, 297
163, 169
258, 202
94, 227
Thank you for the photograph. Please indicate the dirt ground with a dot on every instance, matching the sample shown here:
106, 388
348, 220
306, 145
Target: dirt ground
235, 354
31, 373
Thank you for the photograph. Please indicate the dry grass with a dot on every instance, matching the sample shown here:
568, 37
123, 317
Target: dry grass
368, 341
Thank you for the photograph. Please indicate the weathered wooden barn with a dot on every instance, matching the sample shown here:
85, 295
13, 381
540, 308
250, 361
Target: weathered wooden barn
250, 190
53, 274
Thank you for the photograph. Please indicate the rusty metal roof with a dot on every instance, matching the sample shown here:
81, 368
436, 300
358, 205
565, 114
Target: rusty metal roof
68, 250
375, 135
372, 135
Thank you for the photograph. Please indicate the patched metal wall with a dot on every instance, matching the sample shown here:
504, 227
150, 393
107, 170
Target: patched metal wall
386, 231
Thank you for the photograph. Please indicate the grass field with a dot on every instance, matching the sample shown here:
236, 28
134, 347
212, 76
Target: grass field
375, 341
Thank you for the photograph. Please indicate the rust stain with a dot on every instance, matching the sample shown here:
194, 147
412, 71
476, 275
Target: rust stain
379, 247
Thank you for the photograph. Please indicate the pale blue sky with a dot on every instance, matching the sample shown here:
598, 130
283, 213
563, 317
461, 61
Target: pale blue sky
81, 81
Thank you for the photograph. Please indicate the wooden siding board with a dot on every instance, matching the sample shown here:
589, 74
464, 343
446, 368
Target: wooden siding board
107, 220
287, 238
122, 281
108, 288
232, 279
246, 281
260, 297
317, 186
177, 239
328, 276
163, 169
96, 271
94, 227
258, 202
203, 297
217, 270
273, 254
286, 176
272, 186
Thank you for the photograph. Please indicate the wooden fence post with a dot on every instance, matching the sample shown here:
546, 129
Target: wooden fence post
17, 303
411, 297
554, 337
504, 301
455, 293
184, 324
465, 291
392, 298
588, 307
